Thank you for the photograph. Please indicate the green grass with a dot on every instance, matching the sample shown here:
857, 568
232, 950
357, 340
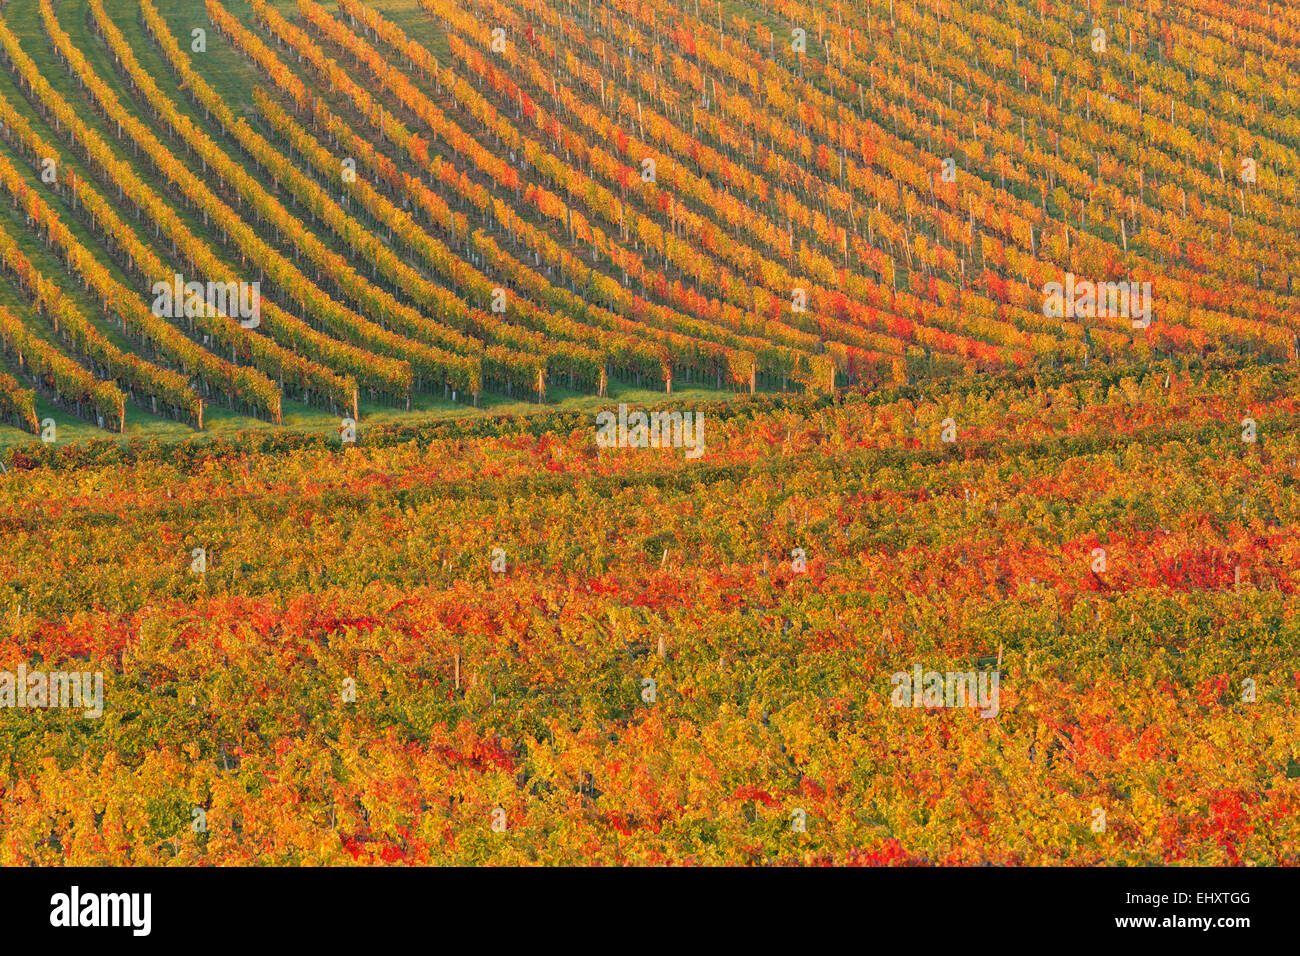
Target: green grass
221, 422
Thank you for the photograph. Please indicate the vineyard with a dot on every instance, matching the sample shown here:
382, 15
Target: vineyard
309, 317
